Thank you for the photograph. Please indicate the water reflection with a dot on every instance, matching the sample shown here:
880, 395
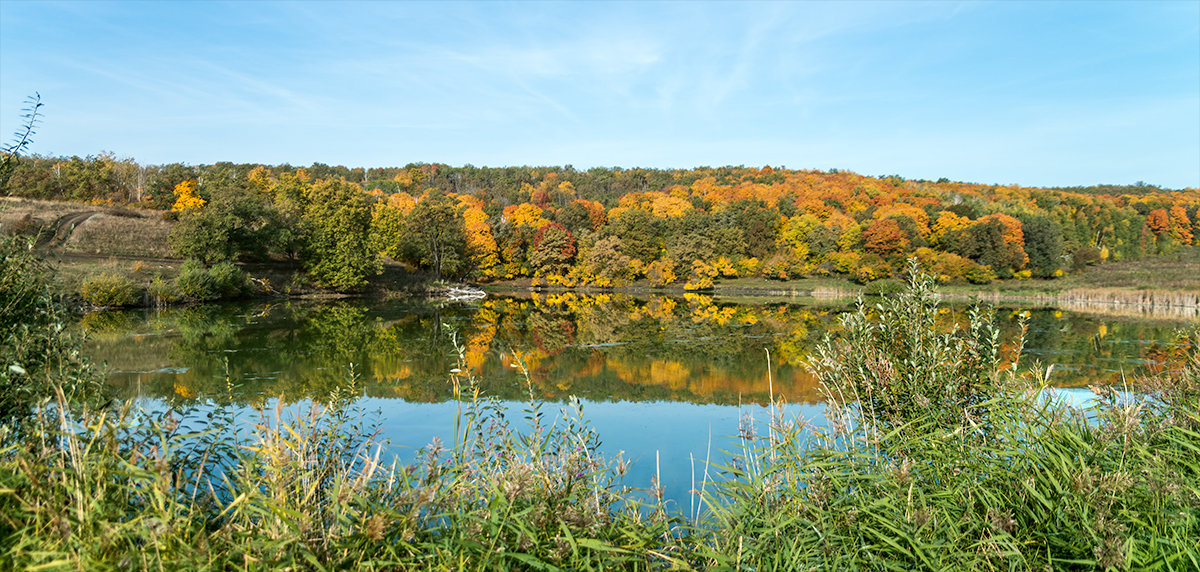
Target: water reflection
600, 348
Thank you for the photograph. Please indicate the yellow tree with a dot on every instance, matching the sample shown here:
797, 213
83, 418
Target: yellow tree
260, 179
480, 241
186, 198
947, 222
1181, 227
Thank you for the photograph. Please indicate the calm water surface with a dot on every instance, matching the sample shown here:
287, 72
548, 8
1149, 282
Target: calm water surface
672, 377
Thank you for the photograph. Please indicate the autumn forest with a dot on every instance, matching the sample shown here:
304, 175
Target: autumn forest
609, 227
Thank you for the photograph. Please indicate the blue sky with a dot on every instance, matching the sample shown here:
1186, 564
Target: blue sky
1037, 93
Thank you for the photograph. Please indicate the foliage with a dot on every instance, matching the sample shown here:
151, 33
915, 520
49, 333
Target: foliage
337, 223
22, 139
110, 289
793, 222
1043, 244
638, 232
162, 292
553, 249
234, 224
999, 477
436, 236
605, 263
196, 282
231, 281
186, 198
661, 273
39, 354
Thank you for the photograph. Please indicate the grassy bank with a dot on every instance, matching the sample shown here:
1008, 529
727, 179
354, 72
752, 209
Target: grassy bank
939, 456
85, 242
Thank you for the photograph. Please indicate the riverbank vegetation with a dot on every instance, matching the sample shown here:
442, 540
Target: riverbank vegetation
939, 455
605, 228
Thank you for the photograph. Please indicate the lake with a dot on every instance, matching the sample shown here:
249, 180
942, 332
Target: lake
667, 380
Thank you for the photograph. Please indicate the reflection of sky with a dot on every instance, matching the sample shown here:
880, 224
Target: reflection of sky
640, 429
671, 438
680, 433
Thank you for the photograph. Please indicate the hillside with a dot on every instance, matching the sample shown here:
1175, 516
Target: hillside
601, 227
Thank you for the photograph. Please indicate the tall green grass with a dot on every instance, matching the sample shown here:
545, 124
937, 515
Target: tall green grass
941, 457
938, 455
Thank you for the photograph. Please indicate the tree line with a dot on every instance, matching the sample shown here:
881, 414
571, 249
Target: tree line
607, 227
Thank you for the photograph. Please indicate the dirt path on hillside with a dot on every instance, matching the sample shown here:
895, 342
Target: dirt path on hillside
56, 233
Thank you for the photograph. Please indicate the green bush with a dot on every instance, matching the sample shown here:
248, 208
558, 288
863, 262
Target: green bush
162, 292
110, 290
940, 456
979, 275
196, 282
231, 280
39, 353
884, 286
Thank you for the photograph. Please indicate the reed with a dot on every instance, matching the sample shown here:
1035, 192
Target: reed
941, 456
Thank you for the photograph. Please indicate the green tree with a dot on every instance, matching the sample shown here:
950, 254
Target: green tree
984, 243
553, 249
288, 195
639, 234
337, 221
236, 223
437, 236
759, 224
1043, 244
607, 262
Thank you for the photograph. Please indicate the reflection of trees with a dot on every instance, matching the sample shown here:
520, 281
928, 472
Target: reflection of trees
600, 348
1091, 349
551, 330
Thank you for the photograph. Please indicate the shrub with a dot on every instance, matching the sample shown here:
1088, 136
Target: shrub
162, 292
938, 456
661, 272
979, 274
901, 367
38, 351
196, 282
884, 286
110, 290
231, 281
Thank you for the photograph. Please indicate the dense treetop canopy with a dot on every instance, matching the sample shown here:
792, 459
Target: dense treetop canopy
609, 226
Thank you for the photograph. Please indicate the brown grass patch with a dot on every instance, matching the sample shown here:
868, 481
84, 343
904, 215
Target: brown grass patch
105, 234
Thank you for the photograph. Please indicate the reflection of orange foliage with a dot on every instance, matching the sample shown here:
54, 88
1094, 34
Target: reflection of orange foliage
702, 312
660, 308
531, 359
670, 374
390, 367
627, 372
183, 391
594, 366
477, 348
